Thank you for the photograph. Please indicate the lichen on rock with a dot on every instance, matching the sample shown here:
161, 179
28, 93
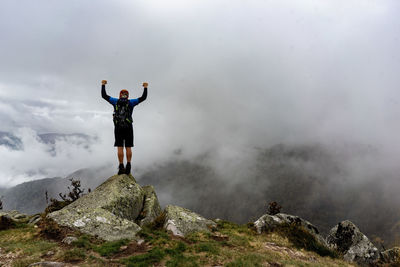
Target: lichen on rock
108, 212
151, 207
181, 221
269, 222
347, 239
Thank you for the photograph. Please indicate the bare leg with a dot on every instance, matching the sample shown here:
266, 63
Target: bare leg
121, 154
128, 154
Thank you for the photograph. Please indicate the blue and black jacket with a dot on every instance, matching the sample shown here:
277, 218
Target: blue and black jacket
132, 102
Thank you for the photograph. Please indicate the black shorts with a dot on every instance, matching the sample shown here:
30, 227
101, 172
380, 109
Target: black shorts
123, 136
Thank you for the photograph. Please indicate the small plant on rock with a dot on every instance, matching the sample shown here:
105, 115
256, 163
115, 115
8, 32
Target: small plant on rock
274, 208
75, 192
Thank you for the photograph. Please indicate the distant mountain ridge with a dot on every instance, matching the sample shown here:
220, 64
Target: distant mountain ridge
13, 142
309, 180
30, 198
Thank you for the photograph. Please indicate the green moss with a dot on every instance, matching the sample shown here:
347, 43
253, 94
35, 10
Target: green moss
150, 258
109, 248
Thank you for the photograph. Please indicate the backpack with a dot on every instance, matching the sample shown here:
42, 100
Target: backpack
122, 116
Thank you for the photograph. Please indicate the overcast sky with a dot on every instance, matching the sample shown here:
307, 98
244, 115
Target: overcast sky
224, 75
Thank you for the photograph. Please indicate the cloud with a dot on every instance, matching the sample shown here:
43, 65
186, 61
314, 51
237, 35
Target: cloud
224, 76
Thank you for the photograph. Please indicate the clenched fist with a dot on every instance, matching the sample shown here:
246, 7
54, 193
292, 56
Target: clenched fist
145, 85
103, 82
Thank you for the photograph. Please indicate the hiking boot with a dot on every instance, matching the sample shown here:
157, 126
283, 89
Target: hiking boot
128, 168
121, 169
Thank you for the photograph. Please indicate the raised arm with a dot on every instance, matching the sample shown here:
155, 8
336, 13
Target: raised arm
144, 95
103, 91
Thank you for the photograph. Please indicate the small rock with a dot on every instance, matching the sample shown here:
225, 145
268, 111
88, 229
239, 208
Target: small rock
50, 253
123, 248
140, 241
69, 239
34, 219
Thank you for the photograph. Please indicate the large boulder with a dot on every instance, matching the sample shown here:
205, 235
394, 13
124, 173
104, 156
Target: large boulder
348, 240
151, 207
109, 212
391, 256
181, 221
268, 222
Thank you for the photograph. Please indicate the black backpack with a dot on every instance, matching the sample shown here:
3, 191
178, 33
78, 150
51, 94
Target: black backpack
122, 116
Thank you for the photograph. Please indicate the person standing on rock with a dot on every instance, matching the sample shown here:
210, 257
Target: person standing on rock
122, 117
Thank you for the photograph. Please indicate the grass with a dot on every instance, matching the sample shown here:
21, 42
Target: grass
153, 256
229, 245
84, 241
211, 247
24, 238
74, 255
110, 248
250, 260
300, 238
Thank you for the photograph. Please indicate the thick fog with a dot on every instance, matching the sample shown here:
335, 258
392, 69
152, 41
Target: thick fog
224, 77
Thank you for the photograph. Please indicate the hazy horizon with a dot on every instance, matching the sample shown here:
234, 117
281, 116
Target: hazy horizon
224, 76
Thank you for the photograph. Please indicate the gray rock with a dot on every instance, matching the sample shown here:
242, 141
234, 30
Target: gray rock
34, 219
391, 256
15, 215
47, 264
348, 240
69, 239
151, 208
109, 212
181, 221
20, 216
269, 222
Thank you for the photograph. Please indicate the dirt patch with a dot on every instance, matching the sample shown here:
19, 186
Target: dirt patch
7, 258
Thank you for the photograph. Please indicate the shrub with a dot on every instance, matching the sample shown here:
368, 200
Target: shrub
274, 208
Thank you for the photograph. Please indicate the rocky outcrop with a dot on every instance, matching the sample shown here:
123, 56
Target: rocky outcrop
181, 221
109, 212
348, 240
268, 222
10, 218
151, 207
391, 256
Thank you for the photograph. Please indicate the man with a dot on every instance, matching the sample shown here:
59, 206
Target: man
122, 117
